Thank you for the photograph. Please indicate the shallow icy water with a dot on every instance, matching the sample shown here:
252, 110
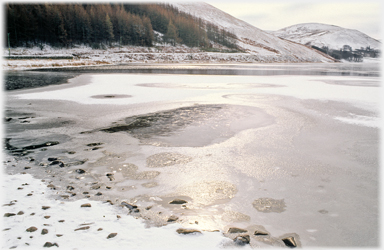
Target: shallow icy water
288, 154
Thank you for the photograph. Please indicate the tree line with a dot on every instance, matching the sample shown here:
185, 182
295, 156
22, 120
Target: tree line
63, 25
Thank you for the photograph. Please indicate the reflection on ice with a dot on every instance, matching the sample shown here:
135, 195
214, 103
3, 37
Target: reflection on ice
360, 120
192, 126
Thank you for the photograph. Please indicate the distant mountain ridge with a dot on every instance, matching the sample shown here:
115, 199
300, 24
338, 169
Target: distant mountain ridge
331, 36
267, 47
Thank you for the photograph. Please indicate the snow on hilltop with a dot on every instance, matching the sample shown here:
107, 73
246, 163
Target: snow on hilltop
266, 46
334, 37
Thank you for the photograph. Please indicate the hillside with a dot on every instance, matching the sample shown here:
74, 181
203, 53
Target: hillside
113, 30
334, 37
266, 46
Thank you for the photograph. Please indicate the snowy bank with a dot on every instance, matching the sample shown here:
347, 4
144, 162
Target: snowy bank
32, 218
86, 56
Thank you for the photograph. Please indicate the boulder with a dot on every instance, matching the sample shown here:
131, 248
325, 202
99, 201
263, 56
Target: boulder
235, 230
178, 201
82, 228
86, 205
31, 229
187, 231
260, 233
172, 218
80, 171
9, 214
111, 235
49, 244
242, 239
289, 241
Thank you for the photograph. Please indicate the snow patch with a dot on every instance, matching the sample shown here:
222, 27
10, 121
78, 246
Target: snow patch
62, 218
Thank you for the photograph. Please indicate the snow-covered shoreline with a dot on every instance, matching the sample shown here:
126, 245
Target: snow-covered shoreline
32, 218
86, 56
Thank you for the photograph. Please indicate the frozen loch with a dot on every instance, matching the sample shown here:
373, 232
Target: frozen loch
194, 156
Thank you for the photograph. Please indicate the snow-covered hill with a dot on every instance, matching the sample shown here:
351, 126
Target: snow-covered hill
267, 47
334, 37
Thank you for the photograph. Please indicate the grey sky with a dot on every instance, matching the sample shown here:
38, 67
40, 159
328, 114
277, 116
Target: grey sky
365, 16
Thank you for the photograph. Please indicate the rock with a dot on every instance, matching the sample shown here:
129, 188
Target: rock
70, 188
98, 194
9, 214
178, 201
242, 239
80, 171
44, 231
111, 235
260, 233
61, 221
289, 241
86, 205
172, 218
9, 204
82, 228
47, 217
99, 229
20, 213
110, 176
51, 186
31, 229
60, 163
94, 144
234, 230
45, 207
52, 159
323, 211
132, 208
49, 244
187, 231
59, 235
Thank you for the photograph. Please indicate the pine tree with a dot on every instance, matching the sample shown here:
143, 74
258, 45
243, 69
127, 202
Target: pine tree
171, 35
148, 32
108, 29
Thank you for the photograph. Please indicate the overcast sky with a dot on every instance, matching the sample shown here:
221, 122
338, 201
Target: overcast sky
365, 16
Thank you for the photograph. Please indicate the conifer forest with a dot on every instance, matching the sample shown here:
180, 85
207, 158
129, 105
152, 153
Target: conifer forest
64, 25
